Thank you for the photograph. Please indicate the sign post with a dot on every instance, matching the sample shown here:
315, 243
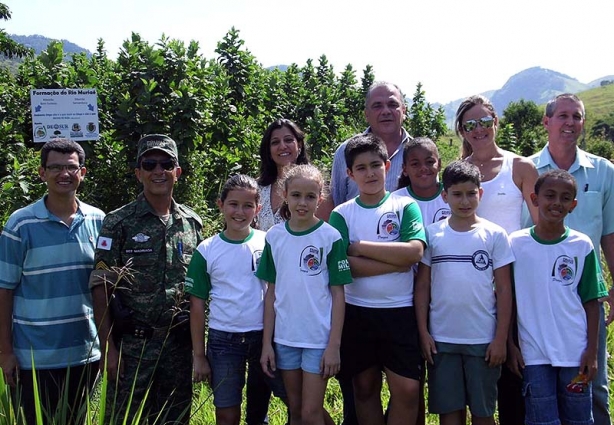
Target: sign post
64, 113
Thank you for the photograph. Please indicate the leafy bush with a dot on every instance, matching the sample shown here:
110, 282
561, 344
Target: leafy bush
215, 109
603, 148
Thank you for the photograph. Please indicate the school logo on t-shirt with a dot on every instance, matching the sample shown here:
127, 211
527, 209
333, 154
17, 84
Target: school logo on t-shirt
256, 255
441, 214
311, 260
564, 270
388, 227
481, 260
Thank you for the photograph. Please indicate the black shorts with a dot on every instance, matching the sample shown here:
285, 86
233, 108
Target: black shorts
381, 337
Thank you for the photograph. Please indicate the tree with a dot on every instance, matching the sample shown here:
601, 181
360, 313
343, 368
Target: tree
216, 109
8, 47
526, 120
506, 137
423, 119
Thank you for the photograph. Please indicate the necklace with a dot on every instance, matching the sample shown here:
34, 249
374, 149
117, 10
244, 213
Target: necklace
480, 166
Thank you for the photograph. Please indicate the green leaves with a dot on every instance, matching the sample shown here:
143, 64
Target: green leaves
523, 129
216, 109
423, 119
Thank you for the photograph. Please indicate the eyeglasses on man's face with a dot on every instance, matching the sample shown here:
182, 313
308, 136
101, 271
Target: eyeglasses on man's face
58, 168
484, 122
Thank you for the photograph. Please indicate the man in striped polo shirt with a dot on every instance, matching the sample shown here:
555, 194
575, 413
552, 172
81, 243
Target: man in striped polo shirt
46, 314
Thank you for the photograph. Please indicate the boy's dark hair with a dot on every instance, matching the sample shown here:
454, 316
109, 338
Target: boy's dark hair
556, 174
362, 143
268, 168
460, 171
422, 142
239, 181
62, 146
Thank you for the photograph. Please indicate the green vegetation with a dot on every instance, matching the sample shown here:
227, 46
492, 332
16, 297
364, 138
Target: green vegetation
8, 47
600, 119
598, 101
216, 109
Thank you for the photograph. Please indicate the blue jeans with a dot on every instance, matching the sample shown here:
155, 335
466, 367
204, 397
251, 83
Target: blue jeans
549, 401
228, 354
601, 408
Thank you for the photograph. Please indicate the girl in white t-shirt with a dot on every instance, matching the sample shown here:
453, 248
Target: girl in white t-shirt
222, 270
305, 263
419, 180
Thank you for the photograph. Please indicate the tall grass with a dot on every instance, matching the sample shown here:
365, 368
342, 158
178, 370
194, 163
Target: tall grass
203, 411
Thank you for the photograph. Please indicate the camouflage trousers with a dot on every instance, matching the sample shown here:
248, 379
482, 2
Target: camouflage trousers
161, 374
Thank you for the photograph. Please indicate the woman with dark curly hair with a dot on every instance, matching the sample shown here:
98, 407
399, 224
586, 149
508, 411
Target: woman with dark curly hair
283, 144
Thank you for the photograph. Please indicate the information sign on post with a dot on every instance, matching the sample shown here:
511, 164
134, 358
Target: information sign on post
64, 113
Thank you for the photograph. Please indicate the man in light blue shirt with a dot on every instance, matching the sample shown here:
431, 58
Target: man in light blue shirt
46, 313
594, 214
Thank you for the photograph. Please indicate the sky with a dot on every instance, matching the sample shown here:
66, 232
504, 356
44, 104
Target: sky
455, 48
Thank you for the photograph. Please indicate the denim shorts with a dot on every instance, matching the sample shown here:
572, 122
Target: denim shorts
228, 353
548, 400
291, 358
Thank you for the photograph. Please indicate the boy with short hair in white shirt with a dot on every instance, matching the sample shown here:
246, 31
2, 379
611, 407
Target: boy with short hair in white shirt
558, 282
384, 236
462, 320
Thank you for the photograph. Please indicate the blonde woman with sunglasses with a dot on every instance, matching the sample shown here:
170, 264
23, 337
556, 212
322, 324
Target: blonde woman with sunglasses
507, 178
508, 181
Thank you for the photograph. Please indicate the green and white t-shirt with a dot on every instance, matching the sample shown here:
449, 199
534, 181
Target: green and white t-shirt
394, 219
224, 270
552, 280
302, 265
433, 209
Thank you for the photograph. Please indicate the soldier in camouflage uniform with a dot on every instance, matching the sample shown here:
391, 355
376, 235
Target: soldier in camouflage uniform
142, 255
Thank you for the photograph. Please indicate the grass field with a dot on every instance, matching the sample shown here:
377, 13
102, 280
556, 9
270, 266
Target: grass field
598, 101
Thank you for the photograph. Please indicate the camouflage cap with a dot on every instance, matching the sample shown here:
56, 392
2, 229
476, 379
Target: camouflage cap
157, 142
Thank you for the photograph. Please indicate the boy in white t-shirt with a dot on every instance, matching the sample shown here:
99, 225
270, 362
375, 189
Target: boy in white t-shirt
558, 282
463, 319
384, 236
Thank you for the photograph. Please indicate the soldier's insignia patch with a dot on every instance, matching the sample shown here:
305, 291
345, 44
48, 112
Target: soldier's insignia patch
101, 265
140, 237
104, 243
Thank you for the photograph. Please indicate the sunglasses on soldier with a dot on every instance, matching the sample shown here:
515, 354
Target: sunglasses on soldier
151, 164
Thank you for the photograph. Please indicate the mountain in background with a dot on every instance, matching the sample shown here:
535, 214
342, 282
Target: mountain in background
38, 43
280, 67
536, 84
